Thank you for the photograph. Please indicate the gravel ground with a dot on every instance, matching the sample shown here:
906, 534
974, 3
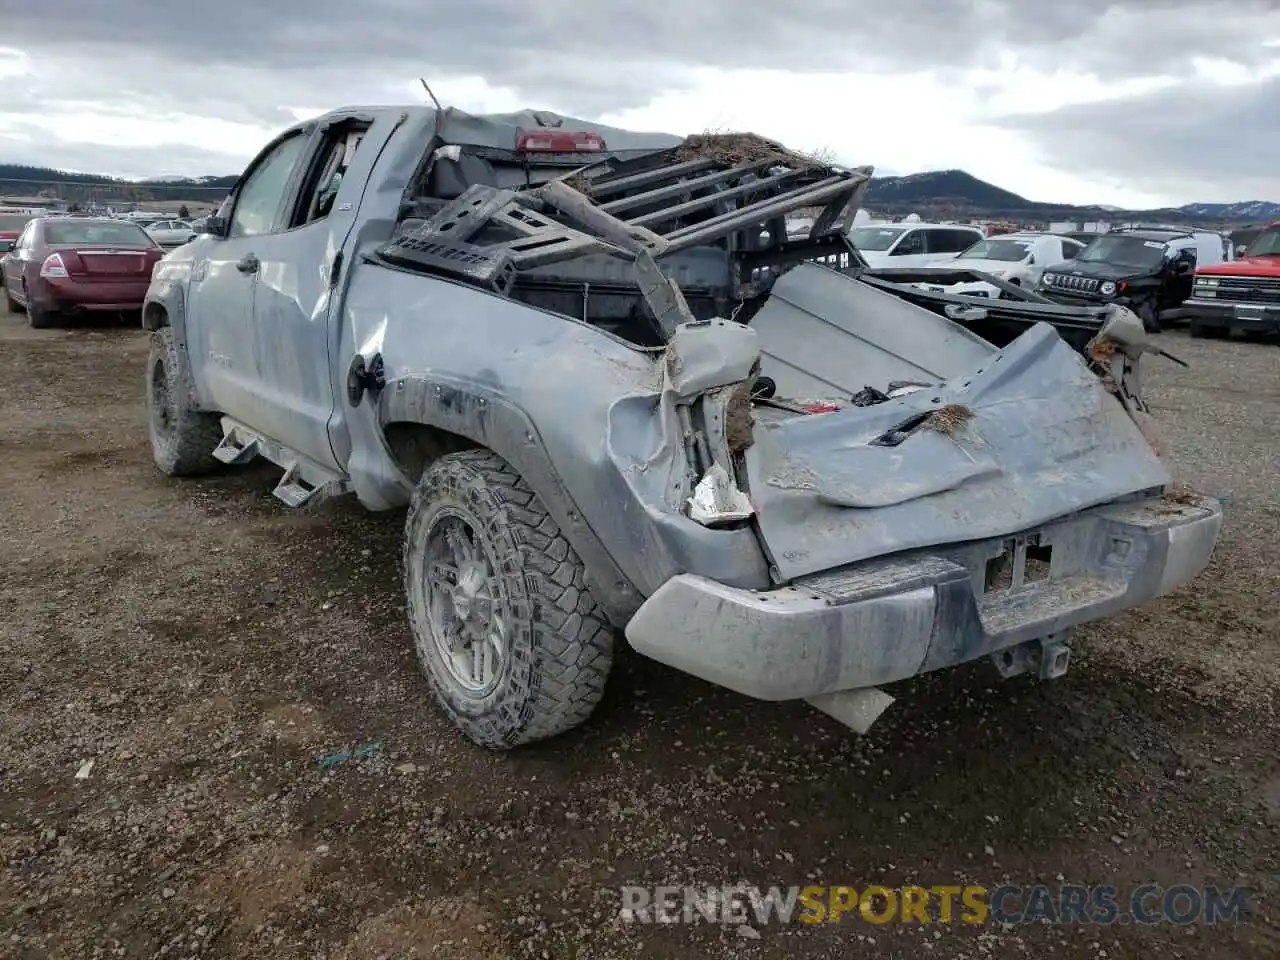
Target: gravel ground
213, 655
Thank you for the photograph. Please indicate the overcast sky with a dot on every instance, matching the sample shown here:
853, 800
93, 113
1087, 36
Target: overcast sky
1144, 103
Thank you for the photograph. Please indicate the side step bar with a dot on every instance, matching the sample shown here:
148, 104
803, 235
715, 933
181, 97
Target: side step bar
304, 483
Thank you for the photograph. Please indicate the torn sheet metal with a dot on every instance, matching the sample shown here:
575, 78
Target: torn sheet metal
717, 501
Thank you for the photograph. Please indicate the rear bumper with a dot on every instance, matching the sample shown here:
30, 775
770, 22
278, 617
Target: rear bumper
886, 620
71, 295
1240, 316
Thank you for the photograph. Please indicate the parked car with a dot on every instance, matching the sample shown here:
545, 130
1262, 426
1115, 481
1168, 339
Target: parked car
170, 233
515, 325
69, 265
911, 244
1239, 295
11, 225
1148, 269
1016, 258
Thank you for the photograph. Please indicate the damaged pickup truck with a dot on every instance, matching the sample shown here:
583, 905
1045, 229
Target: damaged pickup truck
616, 396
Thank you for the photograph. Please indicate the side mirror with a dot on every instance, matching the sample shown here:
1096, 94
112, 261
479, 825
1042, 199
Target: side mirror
1183, 267
1241, 250
1031, 260
216, 227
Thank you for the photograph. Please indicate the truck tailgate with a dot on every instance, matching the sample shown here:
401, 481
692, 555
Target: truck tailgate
1028, 435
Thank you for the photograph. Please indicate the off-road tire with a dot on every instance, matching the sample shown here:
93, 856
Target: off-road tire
182, 438
559, 646
1146, 311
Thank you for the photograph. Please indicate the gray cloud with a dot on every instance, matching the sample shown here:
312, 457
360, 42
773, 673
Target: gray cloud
1215, 141
613, 55
248, 63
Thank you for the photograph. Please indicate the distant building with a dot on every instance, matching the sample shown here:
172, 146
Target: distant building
1079, 226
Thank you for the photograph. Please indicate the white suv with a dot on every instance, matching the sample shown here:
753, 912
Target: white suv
911, 244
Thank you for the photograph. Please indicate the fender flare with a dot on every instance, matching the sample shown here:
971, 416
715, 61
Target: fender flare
168, 297
486, 417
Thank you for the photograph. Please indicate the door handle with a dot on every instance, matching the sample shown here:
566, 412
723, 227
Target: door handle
248, 264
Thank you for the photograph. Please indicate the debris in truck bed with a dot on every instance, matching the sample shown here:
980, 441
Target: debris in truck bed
869, 397
739, 421
948, 419
1102, 349
1182, 493
739, 148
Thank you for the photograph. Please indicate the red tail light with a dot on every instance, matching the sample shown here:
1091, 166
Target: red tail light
53, 266
559, 141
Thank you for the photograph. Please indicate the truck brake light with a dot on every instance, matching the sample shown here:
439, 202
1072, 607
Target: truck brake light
53, 266
559, 141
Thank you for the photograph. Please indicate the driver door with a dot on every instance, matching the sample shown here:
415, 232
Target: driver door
221, 330
1181, 276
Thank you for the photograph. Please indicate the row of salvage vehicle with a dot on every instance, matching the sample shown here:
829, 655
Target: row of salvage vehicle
1165, 274
618, 399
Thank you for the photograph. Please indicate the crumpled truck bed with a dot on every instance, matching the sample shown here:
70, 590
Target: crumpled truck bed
1008, 497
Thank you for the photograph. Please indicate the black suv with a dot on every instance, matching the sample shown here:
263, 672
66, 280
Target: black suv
1147, 270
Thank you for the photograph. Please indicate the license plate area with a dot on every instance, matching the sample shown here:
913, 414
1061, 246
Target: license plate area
1021, 560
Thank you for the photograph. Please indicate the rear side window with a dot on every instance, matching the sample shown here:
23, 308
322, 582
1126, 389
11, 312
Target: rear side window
91, 232
951, 241
327, 170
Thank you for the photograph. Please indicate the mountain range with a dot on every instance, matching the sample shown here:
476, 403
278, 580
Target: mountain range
947, 194
957, 192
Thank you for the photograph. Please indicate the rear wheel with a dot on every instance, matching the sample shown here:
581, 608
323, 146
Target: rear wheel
514, 647
41, 319
182, 437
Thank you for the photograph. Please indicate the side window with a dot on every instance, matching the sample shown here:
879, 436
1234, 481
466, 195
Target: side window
943, 240
912, 242
258, 201
1070, 248
326, 172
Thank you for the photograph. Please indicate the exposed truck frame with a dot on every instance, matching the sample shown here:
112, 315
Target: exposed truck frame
614, 395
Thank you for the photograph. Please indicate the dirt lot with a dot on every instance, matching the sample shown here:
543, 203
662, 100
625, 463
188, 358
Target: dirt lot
213, 654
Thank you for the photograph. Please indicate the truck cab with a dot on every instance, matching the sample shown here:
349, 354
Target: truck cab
1240, 295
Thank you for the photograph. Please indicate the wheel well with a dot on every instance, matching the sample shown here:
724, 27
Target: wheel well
415, 445
154, 317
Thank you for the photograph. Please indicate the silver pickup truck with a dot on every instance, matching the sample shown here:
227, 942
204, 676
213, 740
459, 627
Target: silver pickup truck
615, 395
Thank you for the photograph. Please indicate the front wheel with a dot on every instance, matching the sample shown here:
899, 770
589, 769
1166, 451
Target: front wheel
515, 648
182, 437
1146, 312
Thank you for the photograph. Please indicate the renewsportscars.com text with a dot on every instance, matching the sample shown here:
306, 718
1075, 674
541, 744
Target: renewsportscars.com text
945, 903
